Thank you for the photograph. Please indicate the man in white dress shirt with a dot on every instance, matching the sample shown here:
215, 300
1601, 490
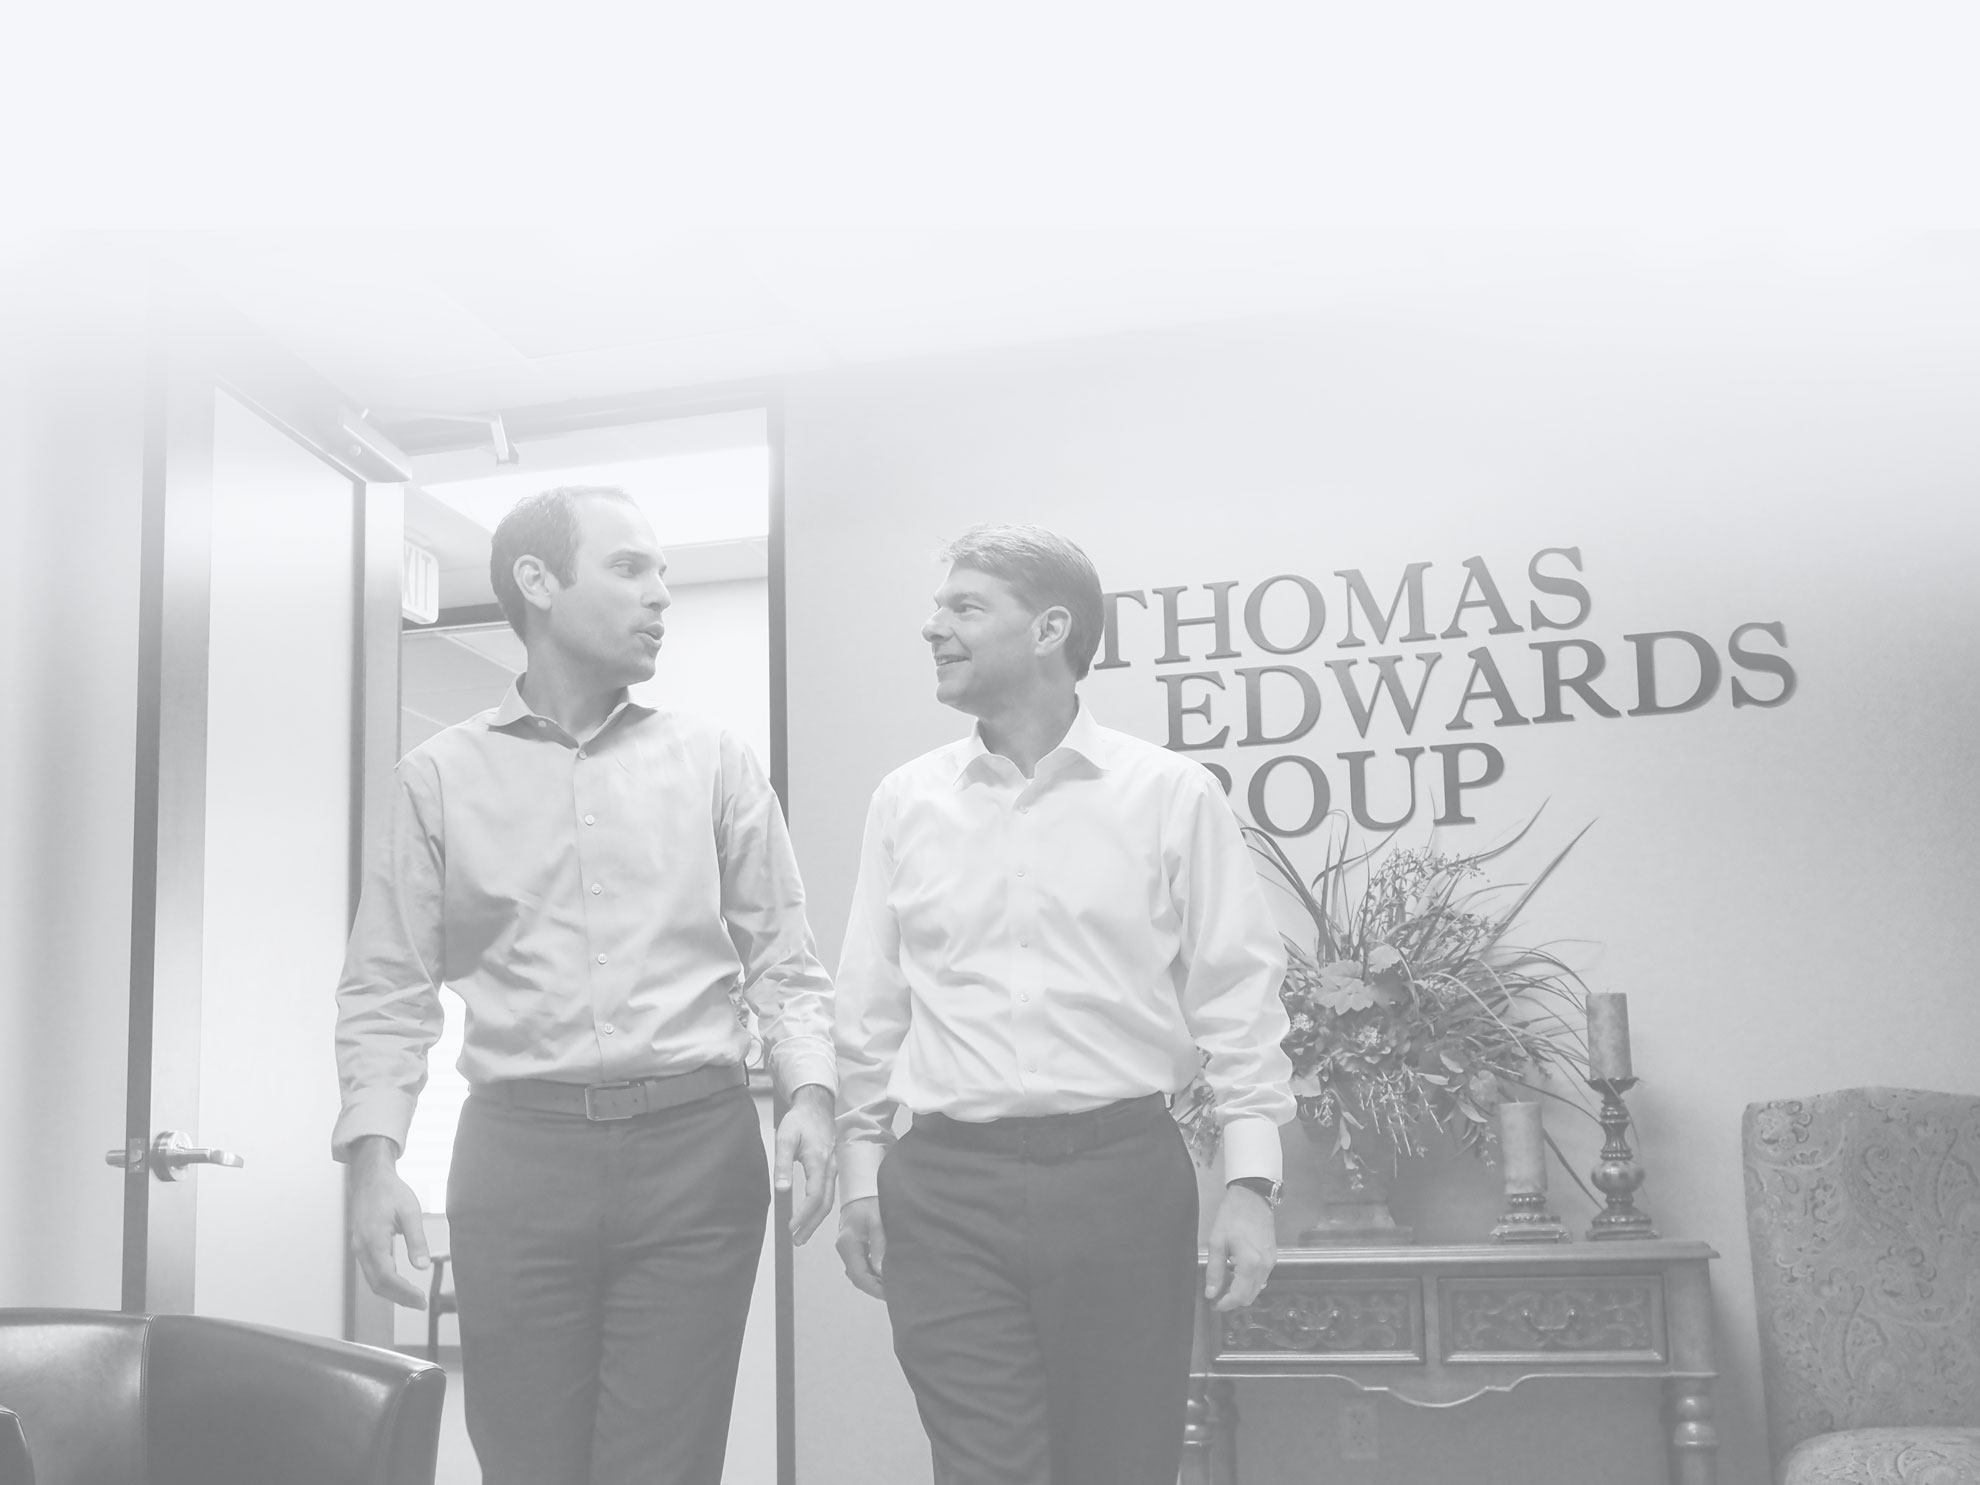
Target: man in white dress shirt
597, 879
1051, 918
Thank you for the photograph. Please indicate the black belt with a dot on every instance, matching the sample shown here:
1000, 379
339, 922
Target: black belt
1045, 1136
606, 1102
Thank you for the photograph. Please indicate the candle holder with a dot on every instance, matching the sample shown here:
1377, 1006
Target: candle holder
1523, 1152
1619, 1174
1527, 1220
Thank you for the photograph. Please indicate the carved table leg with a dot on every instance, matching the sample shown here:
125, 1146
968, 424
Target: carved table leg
1694, 1441
1210, 1432
1196, 1432
1694, 1438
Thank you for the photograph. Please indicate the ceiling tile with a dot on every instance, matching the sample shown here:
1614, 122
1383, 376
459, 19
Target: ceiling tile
716, 495
432, 663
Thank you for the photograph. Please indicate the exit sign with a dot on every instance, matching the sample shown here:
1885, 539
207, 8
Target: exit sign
419, 585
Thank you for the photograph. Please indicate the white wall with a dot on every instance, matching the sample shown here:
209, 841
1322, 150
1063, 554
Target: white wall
1786, 893
71, 464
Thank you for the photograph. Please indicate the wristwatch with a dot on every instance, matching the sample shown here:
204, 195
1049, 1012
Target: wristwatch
1259, 1185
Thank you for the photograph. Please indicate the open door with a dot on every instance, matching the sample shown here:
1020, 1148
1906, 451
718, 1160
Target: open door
269, 546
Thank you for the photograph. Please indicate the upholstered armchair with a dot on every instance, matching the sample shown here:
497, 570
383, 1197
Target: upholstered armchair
109, 1399
1863, 1213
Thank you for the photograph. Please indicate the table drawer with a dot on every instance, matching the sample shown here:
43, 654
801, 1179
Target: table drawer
1617, 1318
1342, 1319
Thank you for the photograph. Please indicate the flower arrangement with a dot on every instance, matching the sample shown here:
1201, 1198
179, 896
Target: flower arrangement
1411, 1010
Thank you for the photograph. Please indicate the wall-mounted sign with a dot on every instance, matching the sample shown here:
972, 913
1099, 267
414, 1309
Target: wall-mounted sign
1258, 666
419, 585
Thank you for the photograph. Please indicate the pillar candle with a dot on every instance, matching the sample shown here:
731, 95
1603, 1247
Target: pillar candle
1608, 1035
1522, 1149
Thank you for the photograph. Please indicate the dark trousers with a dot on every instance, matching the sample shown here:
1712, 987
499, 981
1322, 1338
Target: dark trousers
604, 1272
1042, 1294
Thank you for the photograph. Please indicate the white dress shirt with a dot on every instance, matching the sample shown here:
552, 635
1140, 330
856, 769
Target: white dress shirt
597, 904
1038, 946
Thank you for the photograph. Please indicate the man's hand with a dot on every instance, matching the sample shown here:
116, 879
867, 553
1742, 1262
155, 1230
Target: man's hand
1243, 1249
805, 1138
382, 1205
863, 1244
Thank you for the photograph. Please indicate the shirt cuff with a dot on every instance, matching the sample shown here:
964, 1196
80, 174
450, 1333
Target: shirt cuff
1251, 1148
386, 1111
804, 1059
859, 1168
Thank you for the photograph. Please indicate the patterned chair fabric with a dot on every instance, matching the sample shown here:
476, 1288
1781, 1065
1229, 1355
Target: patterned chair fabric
1886, 1456
1863, 1213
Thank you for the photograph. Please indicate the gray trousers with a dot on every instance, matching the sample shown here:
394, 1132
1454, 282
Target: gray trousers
604, 1273
1041, 1276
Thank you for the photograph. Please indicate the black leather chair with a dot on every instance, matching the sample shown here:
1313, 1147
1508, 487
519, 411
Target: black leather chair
109, 1399
15, 1466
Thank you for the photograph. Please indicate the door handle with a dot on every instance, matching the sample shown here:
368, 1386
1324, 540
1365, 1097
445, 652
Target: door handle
170, 1153
167, 1155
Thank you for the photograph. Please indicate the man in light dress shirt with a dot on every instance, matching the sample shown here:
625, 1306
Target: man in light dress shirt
596, 879
1050, 919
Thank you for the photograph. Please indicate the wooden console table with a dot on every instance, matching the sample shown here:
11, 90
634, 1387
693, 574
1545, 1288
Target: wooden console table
1440, 1326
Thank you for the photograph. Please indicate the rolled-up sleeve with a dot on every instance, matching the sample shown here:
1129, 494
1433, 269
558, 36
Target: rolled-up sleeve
872, 1013
1234, 961
763, 905
388, 999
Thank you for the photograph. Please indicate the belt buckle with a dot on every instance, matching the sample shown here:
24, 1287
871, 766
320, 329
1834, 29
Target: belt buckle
631, 1108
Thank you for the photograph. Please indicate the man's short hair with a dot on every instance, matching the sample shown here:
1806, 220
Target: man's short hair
545, 527
1044, 570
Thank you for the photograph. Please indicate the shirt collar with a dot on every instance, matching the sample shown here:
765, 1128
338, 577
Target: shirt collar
514, 709
1084, 739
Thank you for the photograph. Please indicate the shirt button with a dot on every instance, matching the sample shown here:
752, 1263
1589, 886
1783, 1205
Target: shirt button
1024, 995
591, 819
1024, 943
608, 1028
1024, 809
541, 723
596, 889
1021, 871
580, 754
601, 958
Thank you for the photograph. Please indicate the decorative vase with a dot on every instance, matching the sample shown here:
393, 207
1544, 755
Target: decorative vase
1353, 1203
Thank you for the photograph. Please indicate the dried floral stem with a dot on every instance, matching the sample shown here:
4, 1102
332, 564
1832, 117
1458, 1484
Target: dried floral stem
1410, 1010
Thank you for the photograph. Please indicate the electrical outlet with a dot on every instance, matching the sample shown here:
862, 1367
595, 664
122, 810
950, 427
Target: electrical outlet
1358, 1437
